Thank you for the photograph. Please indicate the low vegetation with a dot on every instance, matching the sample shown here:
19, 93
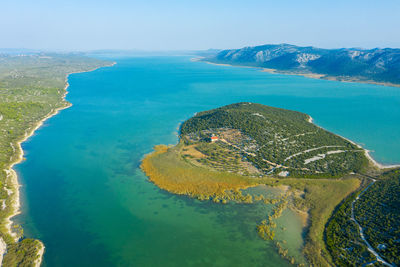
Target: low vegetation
220, 171
23, 253
275, 141
320, 199
169, 171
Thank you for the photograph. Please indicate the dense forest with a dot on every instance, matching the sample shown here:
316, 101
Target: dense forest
377, 211
277, 140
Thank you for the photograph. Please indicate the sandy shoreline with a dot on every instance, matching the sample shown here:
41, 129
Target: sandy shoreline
377, 164
3, 247
307, 75
310, 119
366, 151
38, 261
12, 178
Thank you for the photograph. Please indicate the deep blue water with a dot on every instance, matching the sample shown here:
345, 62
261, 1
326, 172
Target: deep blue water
85, 197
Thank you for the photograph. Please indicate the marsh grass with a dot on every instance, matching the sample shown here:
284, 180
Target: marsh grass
169, 171
321, 196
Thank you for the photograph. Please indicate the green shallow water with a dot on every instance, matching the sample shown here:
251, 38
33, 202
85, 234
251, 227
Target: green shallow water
85, 197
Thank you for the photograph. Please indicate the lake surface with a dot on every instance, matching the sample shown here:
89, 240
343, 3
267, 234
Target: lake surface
85, 197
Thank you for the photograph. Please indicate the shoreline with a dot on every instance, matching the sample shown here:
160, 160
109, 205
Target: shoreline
366, 151
40, 253
304, 216
310, 119
314, 219
307, 75
11, 174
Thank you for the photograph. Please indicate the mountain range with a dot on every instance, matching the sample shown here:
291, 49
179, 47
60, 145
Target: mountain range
348, 64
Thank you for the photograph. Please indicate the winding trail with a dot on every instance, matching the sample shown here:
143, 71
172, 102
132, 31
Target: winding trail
370, 248
309, 150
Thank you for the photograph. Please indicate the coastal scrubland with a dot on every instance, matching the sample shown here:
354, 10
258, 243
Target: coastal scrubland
32, 88
276, 141
225, 151
375, 209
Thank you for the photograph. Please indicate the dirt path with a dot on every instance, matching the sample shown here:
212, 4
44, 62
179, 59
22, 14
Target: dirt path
370, 248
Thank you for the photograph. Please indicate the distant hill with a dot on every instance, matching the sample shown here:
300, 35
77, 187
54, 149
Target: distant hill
350, 64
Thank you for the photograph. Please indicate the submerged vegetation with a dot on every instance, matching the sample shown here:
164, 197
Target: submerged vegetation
220, 169
317, 197
31, 88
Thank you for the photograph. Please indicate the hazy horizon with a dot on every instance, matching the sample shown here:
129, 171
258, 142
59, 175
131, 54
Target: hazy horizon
155, 25
144, 51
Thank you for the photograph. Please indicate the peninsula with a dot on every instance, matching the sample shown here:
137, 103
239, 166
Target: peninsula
224, 152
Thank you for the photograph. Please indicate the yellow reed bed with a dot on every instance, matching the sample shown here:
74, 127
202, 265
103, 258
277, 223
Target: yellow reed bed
169, 171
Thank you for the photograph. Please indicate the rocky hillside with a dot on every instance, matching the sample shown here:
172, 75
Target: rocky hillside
377, 65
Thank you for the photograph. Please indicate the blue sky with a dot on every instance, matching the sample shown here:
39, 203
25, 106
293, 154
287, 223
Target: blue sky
178, 24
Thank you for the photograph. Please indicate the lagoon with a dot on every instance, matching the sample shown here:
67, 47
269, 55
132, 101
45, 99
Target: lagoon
85, 197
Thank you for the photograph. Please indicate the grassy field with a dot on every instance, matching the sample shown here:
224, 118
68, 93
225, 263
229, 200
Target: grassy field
32, 87
169, 170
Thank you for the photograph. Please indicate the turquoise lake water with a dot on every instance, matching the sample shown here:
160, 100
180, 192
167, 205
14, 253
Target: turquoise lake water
85, 197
